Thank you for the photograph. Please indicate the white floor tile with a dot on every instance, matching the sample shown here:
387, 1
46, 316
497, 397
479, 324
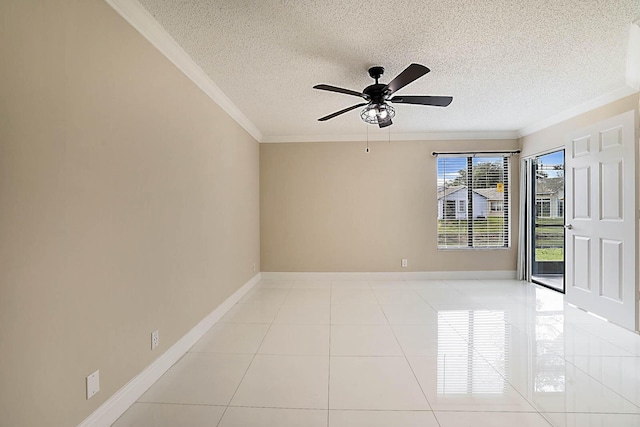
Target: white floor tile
251, 313
312, 284
312, 340
620, 374
386, 284
308, 296
426, 284
573, 315
490, 419
622, 338
200, 378
342, 418
464, 303
285, 382
350, 284
167, 415
397, 296
271, 417
375, 383
364, 340
578, 342
466, 383
555, 385
353, 296
593, 420
408, 314
265, 296
231, 338
357, 314
418, 340
304, 314
468, 284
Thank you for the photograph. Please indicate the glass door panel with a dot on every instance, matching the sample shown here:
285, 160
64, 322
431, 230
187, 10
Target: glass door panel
547, 267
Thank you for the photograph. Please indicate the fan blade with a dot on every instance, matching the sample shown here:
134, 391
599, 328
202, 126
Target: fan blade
384, 124
436, 101
410, 74
337, 113
341, 90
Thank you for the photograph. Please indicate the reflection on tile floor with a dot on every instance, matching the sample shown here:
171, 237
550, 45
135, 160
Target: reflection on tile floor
403, 354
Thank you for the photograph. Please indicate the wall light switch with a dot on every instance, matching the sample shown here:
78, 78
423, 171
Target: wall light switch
93, 384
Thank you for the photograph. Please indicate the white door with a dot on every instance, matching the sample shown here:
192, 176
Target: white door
600, 217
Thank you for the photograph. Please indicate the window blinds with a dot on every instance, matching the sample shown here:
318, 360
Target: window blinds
480, 183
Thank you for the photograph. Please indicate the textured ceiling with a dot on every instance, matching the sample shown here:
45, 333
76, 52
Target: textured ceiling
508, 64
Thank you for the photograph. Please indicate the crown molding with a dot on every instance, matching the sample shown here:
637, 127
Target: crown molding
577, 110
149, 28
427, 136
633, 56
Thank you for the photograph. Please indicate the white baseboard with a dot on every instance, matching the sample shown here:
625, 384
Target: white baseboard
117, 404
399, 275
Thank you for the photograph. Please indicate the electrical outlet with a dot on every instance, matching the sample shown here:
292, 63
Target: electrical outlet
404, 263
93, 384
254, 267
155, 339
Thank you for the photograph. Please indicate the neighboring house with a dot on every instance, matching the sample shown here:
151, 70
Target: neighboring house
452, 202
550, 197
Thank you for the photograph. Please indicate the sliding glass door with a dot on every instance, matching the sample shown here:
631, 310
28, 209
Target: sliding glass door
547, 220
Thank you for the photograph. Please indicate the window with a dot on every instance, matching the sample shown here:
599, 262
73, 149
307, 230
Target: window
561, 208
473, 201
543, 208
450, 209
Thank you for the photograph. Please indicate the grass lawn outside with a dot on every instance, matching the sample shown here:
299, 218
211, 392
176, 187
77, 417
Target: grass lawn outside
549, 254
487, 232
479, 225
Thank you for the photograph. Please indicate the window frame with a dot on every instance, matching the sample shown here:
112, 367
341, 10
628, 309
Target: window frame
560, 208
493, 203
540, 207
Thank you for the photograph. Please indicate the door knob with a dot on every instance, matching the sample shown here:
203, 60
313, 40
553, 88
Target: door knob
569, 227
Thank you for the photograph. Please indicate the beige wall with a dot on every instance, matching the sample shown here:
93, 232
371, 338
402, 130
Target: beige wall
553, 136
329, 206
128, 202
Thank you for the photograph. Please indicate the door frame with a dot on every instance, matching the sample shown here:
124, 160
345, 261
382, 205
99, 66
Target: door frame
529, 206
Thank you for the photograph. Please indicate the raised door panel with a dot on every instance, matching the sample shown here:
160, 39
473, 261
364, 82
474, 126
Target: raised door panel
611, 269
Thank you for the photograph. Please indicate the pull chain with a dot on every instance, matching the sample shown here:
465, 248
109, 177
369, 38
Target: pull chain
367, 150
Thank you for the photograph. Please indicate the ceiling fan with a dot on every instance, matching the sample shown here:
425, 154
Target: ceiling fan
377, 110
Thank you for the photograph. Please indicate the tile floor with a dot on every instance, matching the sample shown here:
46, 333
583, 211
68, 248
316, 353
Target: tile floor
401, 354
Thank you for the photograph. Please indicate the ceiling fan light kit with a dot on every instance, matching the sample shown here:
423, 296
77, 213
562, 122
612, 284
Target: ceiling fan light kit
375, 114
377, 111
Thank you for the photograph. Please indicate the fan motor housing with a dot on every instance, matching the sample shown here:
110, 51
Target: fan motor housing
375, 92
